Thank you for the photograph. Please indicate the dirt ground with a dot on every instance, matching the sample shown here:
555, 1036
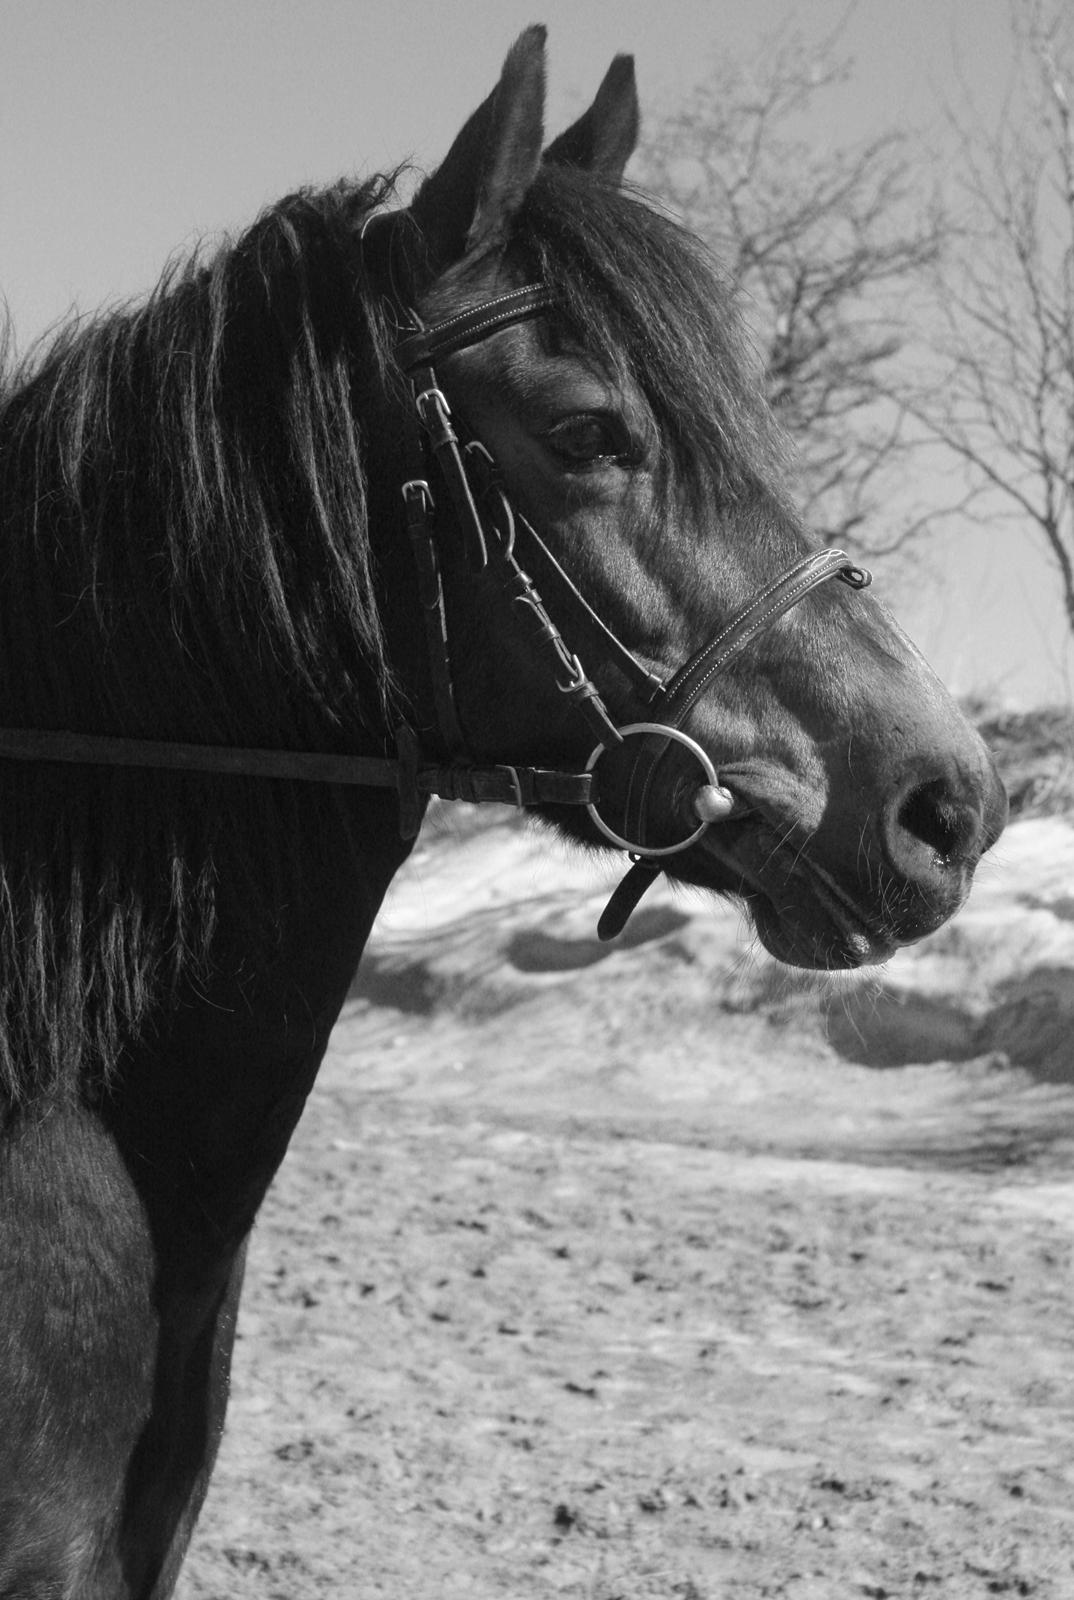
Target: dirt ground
644, 1273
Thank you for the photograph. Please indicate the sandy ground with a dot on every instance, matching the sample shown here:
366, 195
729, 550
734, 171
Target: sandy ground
648, 1273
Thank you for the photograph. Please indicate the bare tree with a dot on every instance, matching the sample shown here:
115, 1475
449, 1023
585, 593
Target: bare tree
997, 389
826, 247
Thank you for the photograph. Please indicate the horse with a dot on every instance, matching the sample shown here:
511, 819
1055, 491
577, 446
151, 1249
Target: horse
474, 496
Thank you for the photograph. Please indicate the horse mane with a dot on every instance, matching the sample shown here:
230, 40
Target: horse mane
184, 554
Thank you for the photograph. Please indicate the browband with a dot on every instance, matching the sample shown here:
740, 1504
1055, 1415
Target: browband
426, 345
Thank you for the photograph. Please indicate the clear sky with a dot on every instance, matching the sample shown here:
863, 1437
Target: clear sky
130, 128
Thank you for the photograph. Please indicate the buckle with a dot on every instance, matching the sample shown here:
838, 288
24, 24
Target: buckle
418, 488
516, 785
578, 677
436, 399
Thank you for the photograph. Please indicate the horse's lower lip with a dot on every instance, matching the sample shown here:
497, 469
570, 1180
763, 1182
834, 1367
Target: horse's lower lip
866, 941
828, 931
826, 942
822, 938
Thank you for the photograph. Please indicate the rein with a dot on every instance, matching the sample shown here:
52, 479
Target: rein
497, 537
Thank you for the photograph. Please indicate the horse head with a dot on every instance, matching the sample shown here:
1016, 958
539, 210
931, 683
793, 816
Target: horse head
616, 419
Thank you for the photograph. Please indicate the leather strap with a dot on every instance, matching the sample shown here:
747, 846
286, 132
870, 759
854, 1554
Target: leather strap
418, 501
427, 345
435, 414
784, 592
674, 703
625, 897
420, 506
551, 579
509, 785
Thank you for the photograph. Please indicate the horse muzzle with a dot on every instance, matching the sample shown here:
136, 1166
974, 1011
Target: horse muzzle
842, 895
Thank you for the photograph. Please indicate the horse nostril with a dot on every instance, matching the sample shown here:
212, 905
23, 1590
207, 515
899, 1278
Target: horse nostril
933, 814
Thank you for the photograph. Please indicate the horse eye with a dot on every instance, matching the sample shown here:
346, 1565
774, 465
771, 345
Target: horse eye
588, 437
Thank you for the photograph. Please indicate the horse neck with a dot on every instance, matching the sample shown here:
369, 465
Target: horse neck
333, 891
217, 1082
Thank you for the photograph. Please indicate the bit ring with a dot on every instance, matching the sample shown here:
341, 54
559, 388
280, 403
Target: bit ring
695, 750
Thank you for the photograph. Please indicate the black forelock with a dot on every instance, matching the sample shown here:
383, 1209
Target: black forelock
649, 300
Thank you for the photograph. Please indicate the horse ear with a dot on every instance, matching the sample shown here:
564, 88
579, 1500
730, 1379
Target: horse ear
602, 140
468, 202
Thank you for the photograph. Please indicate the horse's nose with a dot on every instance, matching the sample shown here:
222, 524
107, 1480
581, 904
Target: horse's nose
935, 815
935, 832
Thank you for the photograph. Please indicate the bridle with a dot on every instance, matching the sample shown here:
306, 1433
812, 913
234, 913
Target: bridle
495, 534
497, 538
